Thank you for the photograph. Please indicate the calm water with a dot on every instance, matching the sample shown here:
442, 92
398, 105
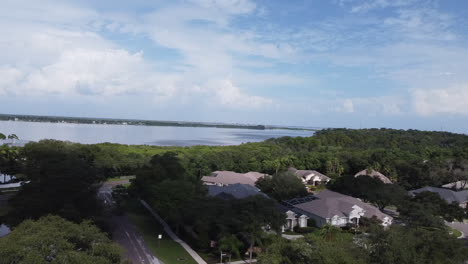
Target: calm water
138, 135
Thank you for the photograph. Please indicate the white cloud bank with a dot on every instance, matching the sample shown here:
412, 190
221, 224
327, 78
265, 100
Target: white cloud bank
60, 51
228, 94
56, 47
441, 101
383, 105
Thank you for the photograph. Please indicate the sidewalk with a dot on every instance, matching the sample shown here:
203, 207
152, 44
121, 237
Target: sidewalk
292, 237
240, 262
173, 236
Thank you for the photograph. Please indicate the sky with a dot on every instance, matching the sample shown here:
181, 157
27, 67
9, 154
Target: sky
321, 63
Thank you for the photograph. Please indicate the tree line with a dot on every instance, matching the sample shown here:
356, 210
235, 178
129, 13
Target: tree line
64, 178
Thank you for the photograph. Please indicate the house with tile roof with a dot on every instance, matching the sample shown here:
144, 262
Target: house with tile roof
374, 174
223, 178
458, 185
234, 191
337, 209
460, 197
310, 177
293, 219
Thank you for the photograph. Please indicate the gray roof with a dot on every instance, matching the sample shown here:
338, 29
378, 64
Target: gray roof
329, 204
304, 173
238, 191
446, 194
299, 200
457, 185
230, 177
374, 174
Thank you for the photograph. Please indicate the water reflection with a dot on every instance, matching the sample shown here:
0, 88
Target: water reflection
138, 135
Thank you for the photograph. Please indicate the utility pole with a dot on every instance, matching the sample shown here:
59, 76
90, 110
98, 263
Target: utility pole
221, 256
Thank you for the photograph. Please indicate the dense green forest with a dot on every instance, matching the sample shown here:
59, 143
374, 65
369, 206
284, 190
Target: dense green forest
411, 158
52, 239
64, 178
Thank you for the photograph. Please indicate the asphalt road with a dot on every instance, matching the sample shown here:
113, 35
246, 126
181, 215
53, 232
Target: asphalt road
125, 233
462, 227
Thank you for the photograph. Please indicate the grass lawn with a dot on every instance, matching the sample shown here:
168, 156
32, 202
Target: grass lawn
169, 251
317, 189
391, 207
120, 178
454, 232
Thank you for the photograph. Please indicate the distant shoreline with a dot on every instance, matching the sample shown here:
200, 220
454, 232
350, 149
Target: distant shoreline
138, 122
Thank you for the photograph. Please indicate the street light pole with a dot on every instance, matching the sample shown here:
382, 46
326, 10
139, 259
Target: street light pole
221, 256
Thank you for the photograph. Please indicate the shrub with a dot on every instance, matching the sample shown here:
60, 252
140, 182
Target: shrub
311, 222
304, 230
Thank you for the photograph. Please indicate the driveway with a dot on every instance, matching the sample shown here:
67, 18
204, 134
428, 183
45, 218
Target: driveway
124, 232
462, 227
292, 237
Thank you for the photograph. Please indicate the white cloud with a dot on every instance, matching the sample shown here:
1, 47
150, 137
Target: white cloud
9, 77
58, 47
348, 106
61, 52
452, 100
422, 24
228, 6
369, 5
93, 72
227, 94
62, 13
372, 106
209, 48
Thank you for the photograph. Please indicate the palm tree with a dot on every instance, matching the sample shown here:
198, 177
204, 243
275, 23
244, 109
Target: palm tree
3, 157
8, 159
254, 236
329, 232
230, 244
13, 137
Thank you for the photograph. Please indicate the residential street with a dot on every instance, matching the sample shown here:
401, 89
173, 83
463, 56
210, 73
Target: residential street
462, 227
125, 233
128, 237
174, 237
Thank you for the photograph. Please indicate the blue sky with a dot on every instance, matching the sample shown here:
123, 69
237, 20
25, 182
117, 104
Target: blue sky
336, 63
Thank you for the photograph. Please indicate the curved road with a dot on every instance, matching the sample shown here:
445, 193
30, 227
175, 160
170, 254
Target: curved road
460, 226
